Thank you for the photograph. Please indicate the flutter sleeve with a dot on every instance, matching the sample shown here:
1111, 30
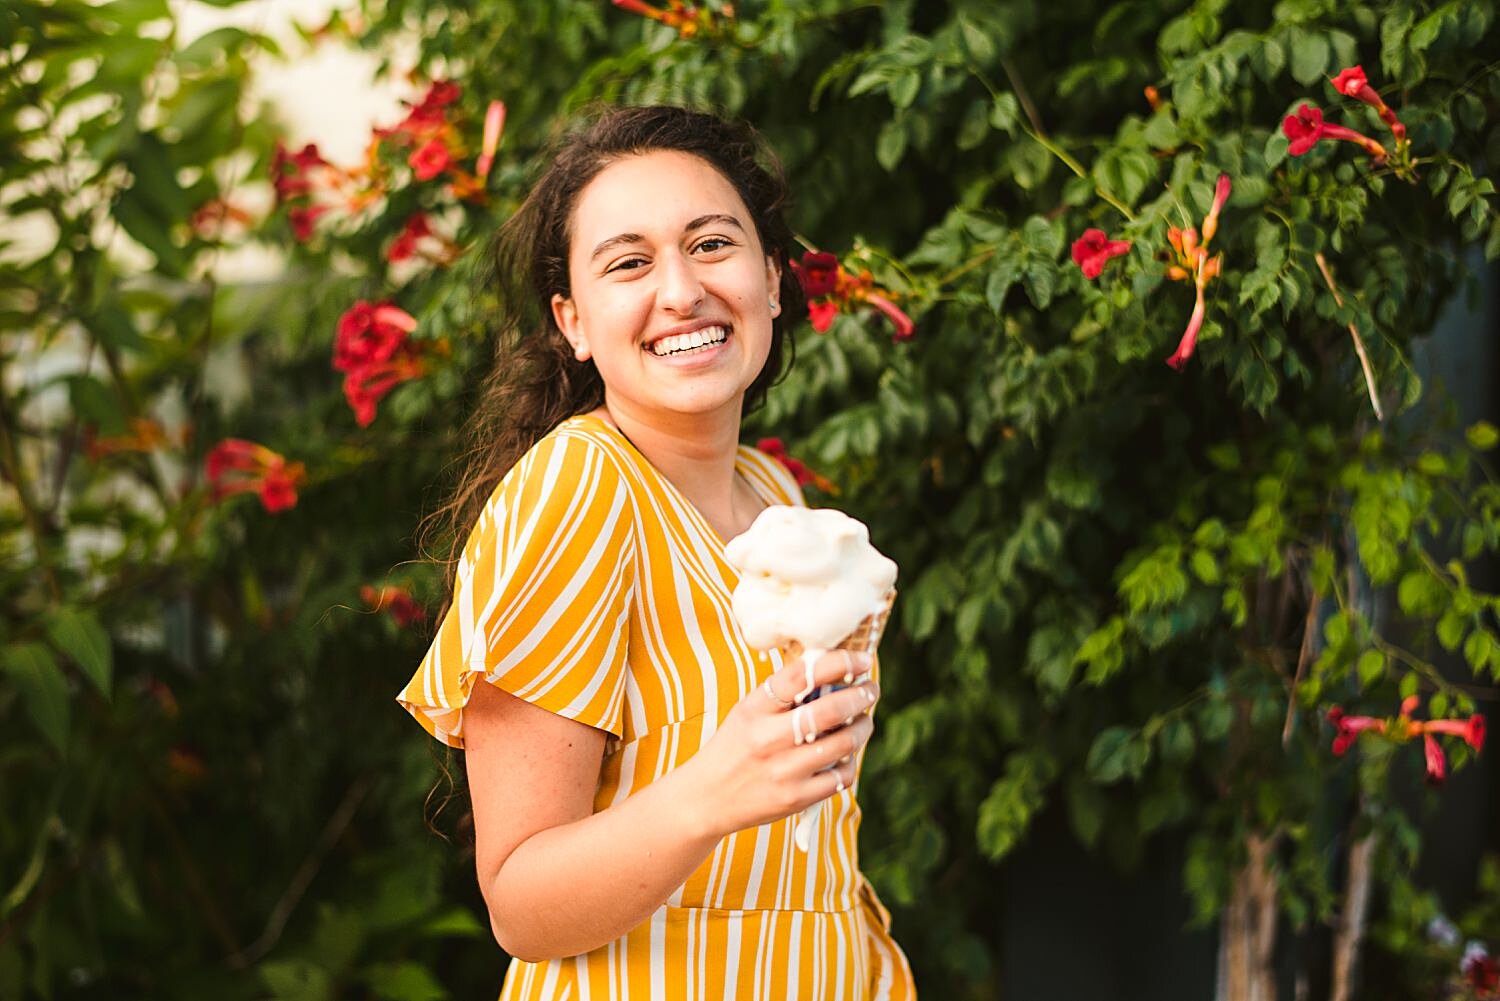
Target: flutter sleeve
542, 595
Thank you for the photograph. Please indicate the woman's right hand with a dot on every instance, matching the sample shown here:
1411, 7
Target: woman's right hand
770, 758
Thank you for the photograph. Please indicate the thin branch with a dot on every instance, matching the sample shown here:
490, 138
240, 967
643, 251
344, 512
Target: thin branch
1351, 930
1303, 657
10, 464
303, 877
1359, 344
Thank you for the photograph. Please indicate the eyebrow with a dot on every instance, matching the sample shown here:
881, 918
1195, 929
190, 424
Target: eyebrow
696, 224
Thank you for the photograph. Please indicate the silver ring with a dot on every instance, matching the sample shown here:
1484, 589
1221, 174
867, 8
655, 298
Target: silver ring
774, 697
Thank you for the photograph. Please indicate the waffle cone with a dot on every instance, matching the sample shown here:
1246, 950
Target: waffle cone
864, 639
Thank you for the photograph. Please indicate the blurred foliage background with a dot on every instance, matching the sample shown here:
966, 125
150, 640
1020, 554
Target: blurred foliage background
1132, 593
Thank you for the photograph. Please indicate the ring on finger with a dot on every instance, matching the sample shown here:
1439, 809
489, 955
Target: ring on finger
771, 693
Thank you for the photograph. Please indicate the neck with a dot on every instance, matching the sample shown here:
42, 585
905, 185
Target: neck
696, 452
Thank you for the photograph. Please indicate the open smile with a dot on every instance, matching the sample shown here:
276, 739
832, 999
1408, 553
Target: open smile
701, 343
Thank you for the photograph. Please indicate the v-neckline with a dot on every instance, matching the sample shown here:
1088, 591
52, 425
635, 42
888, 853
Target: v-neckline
711, 533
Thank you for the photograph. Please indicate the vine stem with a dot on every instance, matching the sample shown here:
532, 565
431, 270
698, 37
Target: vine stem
1038, 133
1309, 627
1359, 344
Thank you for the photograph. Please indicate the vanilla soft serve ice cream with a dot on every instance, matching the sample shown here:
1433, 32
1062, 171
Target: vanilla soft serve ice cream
810, 582
808, 575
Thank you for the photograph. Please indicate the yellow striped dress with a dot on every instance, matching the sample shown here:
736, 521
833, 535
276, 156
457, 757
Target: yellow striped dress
591, 587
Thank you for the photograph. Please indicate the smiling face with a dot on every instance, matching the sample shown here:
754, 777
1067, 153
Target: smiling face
671, 290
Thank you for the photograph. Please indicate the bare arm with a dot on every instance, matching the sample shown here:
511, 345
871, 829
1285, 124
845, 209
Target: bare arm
560, 880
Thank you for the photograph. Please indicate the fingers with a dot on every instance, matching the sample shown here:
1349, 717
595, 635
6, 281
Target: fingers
835, 667
834, 710
833, 747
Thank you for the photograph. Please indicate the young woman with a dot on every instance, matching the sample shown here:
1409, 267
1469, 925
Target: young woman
631, 761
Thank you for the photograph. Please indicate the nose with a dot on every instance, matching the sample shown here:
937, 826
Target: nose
680, 290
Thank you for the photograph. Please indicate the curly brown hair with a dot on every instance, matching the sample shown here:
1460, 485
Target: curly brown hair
535, 382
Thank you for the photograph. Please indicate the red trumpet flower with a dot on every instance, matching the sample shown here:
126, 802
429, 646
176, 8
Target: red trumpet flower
1348, 728
1351, 82
799, 470
430, 159
236, 466
370, 334
1093, 250
395, 600
821, 314
830, 289
1306, 129
1189, 340
818, 274
1211, 221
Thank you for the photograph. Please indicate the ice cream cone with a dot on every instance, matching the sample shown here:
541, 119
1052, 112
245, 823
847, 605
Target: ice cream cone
864, 639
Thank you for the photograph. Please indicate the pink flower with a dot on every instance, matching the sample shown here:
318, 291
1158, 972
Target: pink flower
1189, 340
904, 327
1211, 221
822, 314
430, 159
1437, 765
1093, 249
1350, 727
1471, 731
494, 127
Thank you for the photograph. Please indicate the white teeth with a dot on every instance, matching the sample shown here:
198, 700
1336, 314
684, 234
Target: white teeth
687, 342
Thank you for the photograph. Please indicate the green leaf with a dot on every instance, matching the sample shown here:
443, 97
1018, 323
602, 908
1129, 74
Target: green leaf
1370, 668
978, 44
1005, 114
43, 688
1205, 566
1419, 593
1115, 753
1177, 743
890, 144
405, 981
1086, 811
97, 404
1451, 629
1309, 56
903, 90
79, 637
1482, 436
296, 980
1409, 685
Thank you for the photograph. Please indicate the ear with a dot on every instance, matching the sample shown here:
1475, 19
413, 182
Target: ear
773, 282
565, 315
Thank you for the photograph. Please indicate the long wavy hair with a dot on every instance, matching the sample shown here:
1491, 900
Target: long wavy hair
535, 382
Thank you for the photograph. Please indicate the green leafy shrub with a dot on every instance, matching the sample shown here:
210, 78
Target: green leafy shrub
1130, 588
